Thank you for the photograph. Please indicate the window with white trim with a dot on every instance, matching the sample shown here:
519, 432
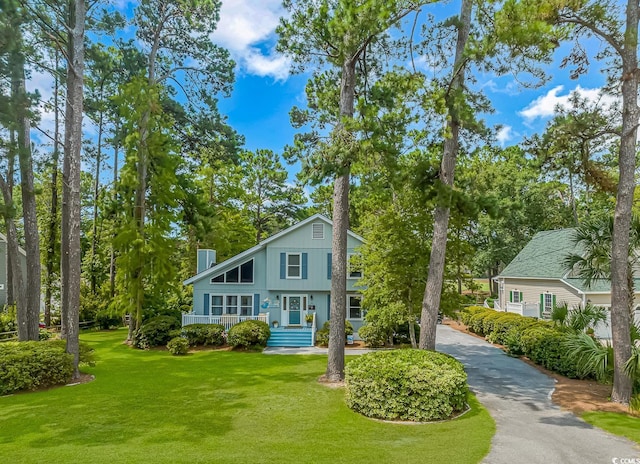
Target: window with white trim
548, 303
246, 305
354, 266
515, 296
217, 305
232, 304
242, 274
317, 231
294, 265
354, 307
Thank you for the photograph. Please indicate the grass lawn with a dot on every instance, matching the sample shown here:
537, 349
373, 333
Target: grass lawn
217, 407
618, 424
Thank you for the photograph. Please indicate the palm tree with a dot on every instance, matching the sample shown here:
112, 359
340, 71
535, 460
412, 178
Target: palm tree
594, 240
593, 261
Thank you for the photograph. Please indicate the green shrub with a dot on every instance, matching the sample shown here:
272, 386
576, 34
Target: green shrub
414, 385
372, 335
204, 334
178, 346
249, 334
322, 335
106, 320
33, 365
544, 345
155, 332
465, 314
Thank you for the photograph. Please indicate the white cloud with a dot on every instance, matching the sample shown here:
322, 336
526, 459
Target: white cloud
505, 133
545, 105
246, 28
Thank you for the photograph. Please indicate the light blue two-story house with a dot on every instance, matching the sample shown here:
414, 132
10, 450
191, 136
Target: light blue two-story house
281, 281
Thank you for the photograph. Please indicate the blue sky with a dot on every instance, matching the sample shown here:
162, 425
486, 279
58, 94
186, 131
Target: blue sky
264, 92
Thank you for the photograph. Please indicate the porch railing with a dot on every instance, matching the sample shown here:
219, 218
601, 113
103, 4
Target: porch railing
524, 309
226, 320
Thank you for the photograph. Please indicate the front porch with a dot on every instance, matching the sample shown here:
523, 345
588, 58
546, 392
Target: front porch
226, 320
524, 309
288, 336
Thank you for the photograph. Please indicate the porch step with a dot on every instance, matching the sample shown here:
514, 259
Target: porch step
289, 337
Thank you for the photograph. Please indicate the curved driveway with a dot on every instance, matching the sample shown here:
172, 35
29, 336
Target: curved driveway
530, 428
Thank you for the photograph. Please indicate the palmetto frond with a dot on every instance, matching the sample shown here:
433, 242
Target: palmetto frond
592, 358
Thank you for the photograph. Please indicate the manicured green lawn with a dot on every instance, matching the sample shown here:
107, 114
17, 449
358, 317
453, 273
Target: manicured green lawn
618, 424
217, 407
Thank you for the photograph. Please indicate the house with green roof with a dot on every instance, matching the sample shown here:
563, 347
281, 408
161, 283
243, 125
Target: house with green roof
537, 279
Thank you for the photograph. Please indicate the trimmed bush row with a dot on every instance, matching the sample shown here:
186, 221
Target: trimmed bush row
204, 334
411, 385
540, 341
33, 365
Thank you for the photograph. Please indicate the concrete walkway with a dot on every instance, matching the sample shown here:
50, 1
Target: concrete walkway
530, 428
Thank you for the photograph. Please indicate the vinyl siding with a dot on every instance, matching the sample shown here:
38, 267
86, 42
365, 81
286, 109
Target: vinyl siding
531, 290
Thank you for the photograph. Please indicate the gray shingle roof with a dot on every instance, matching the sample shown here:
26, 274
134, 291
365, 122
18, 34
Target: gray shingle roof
543, 256
597, 285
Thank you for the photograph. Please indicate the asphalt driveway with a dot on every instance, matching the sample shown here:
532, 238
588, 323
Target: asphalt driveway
530, 428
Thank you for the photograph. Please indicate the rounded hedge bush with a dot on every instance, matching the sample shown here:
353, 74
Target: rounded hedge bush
204, 334
155, 332
249, 334
322, 335
410, 385
373, 335
33, 365
178, 346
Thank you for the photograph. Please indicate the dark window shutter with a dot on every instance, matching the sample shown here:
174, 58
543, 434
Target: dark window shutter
283, 265
329, 266
207, 300
553, 300
520, 297
305, 259
256, 304
541, 303
510, 296
329, 303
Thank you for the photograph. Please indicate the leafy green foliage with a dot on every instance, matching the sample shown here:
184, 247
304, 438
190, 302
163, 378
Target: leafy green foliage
249, 334
178, 346
8, 319
322, 335
373, 336
33, 365
155, 332
272, 204
204, 334
106, 320
413, 385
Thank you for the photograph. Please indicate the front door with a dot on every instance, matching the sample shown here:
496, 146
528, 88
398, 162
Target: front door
294, 309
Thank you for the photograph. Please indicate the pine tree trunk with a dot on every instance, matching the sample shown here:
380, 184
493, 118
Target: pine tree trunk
71, 257
53, 212
96, 193
112, 263
335, 362
31, 234
620, 327
435, 275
